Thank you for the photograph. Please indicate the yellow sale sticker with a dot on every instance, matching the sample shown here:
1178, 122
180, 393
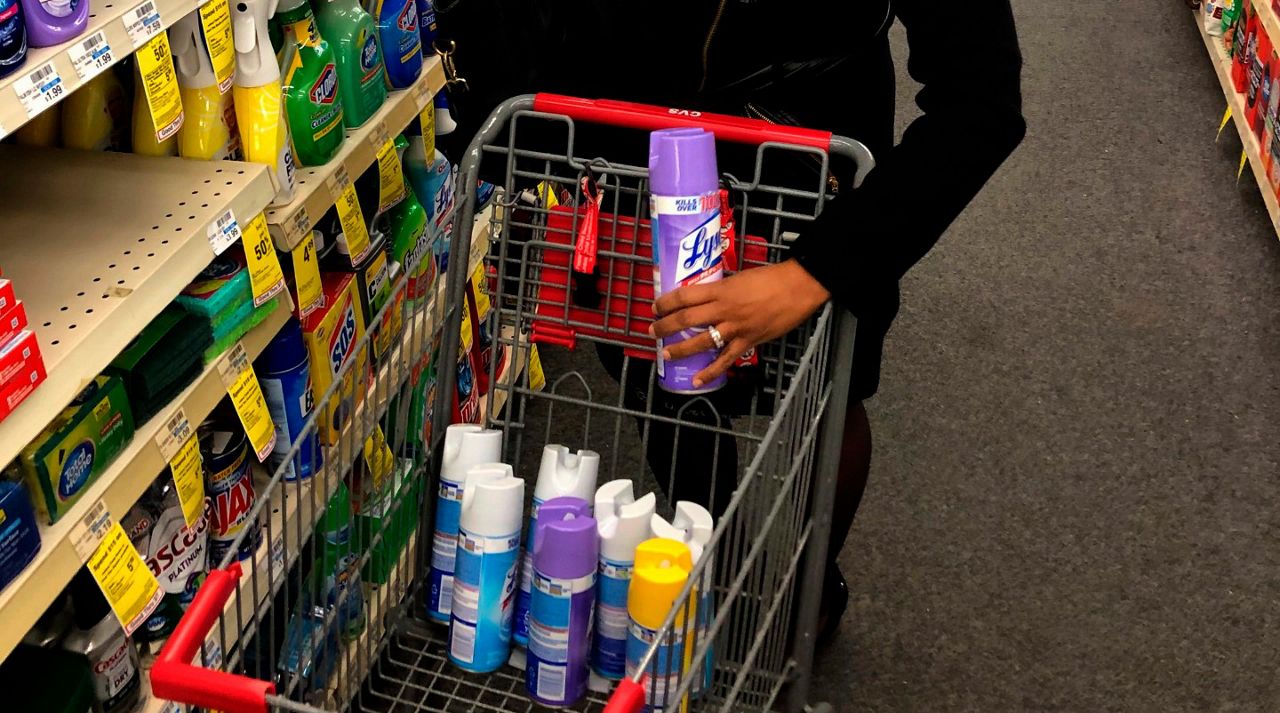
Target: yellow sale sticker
265, 275
428, 119
306, 275
390, 176
122, 575
215, 20
246, 395
352, 218
179, 446
378, 457
537, 379
160, 82
483, 304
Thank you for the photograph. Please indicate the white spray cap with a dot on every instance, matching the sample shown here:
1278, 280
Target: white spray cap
492, 501
466, 445
564, 473
621, 520
190, 56
692, 525
445, 124
255, 59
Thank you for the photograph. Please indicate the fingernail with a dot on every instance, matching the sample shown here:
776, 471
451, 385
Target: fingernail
697, 383
651, 332
666, 355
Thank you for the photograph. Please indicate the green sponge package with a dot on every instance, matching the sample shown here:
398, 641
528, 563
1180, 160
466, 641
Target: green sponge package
64, 460
162, 360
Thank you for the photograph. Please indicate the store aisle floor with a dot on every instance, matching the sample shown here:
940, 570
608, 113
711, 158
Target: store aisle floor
1073, 495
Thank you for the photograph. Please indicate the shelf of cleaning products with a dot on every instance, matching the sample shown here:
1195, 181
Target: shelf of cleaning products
97, 244
119, 486
115, 30
318, 187
1236, 101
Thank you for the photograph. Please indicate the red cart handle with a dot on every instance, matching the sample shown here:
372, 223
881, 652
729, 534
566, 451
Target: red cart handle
651, 118
175, 678
628, 697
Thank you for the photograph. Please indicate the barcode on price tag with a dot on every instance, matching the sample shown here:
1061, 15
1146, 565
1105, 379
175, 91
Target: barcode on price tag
91, 55
40, 89
87, 534
142, 23
224, 232
177, 431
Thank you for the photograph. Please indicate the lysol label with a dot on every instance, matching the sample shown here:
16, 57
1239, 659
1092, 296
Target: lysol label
684, 205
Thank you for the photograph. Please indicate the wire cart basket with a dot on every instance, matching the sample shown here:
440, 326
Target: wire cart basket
328, 613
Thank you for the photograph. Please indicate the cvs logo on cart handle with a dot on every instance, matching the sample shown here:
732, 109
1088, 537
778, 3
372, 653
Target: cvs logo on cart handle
692, 114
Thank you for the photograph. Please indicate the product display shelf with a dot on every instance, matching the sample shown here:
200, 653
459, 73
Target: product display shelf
128, 476
1236, 101
294, 500
109, 27
1268, 15
319, 186
97, 244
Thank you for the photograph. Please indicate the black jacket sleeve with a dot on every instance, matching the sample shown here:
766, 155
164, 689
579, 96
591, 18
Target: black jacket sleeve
966, 56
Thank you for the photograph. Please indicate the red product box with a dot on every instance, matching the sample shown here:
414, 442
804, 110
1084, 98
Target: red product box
7, 298
12, 322
18, 356
20, 387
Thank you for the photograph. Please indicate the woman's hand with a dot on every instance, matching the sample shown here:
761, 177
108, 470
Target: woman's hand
749, 308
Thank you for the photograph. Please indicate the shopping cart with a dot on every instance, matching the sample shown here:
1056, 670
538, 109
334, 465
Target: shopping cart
770, 441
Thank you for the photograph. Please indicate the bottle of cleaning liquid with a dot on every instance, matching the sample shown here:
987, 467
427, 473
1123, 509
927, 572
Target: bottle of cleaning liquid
397, 22
354, 37
564, 602
43, 129
427, 26
661, 572
693, 527
96, 116
13, 37
407, 229
264, 134
97, 635
208, 133
52, 22
465, 445
561, 474
623, 523
340, 565
144, 128
488, 554
312, 99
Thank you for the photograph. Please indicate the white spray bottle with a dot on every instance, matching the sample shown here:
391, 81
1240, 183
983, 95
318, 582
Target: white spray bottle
465, 445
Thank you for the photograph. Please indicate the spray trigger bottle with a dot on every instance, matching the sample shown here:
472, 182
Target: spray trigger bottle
354, 38
401, 44
209, 131
312, 96
259, 104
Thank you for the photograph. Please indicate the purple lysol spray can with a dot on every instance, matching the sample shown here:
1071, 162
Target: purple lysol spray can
685, 212
563, 603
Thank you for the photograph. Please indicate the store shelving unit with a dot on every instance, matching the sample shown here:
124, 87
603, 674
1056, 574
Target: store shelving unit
94, 276
1222, 67
318, 187
116, 25
120, 486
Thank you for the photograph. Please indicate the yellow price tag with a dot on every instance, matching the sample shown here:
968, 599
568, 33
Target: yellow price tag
122, 575
160, 82
265, 275
179, 446
428, 120
378, 457
1226, 117
306, 275
547, 195
483, 304
390, 176
353, 227
215, 20
466, 327
537, 379
246, 395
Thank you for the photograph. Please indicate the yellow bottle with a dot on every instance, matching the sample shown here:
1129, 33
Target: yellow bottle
661, 570
209, 131
144, 128
96, 116
264, 135
42, 130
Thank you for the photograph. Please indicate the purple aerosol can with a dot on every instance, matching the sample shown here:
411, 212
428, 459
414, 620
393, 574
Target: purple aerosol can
565, 557
684, 205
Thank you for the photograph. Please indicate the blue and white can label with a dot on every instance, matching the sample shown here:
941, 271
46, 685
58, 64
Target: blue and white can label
666, 668
521, 632
444, 548
609, 649
483, 601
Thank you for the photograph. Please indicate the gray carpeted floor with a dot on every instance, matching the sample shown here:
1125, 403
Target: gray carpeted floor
1073, 504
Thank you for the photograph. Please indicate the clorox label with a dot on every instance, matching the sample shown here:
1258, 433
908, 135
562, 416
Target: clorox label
326, 87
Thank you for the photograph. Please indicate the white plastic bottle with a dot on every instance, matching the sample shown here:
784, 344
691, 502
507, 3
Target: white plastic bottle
622, 523
693, 526
562, 474
465, 445
487, 558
